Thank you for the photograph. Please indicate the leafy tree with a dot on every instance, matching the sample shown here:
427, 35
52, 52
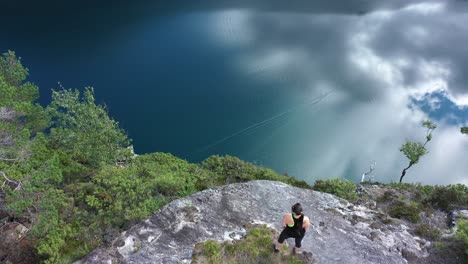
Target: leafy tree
83, 130
20, 116
464, 130
415, 150
20, 121
12, 70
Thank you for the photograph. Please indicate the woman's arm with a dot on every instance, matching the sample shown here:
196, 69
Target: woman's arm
285, 221
306, 223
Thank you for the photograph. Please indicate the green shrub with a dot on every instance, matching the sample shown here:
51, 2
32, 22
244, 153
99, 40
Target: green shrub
420, 192
440, 197
232, 169
342, 188
229, 169
462, 234
173, 176
212, 250
388, 196
453, 249
121, 195
158, 162
427, 231
448, 197
405, 209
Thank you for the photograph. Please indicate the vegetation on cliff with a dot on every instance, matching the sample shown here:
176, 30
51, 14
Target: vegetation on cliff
426, 210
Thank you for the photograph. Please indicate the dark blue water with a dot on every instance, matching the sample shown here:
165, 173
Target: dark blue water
169, 84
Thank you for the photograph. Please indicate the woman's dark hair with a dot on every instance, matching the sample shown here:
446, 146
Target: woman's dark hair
297, 208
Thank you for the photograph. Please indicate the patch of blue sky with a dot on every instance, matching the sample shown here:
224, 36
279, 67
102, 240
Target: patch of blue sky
440, 108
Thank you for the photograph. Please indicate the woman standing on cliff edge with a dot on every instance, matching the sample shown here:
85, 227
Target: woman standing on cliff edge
294, 225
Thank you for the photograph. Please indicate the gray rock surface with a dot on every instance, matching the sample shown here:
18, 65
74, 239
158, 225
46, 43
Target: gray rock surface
340, 232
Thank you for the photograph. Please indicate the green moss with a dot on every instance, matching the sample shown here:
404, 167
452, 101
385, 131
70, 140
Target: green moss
212, 250
440, 245
255, 247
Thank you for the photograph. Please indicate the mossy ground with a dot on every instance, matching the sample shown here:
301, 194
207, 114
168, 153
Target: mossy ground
256, 247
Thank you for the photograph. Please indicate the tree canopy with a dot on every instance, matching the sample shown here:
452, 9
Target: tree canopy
83, 130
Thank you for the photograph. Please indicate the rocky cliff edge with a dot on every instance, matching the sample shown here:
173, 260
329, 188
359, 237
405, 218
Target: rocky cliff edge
340, 232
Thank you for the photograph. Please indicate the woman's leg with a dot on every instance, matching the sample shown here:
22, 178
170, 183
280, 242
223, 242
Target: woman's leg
298, 241
284, 235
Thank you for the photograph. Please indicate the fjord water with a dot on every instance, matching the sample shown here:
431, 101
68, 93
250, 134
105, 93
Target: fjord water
169, 84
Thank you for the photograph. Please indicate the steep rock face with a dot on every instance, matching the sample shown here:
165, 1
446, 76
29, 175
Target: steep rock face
340, 233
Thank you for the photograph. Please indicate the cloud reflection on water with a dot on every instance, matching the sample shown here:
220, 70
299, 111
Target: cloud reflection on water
381, 63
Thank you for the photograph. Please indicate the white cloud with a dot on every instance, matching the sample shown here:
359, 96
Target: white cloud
426, 8
372, 65
348, 131
434, 103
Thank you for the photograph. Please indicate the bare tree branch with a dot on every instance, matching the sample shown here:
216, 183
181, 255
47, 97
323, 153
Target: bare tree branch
18, 187
9, 159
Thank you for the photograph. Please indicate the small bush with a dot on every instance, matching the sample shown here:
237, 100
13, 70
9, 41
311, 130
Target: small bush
452, 249
212, 250
462, 234
342, 188
427, 231
229, 169
405, 209
388, 196
420, 192
448, 197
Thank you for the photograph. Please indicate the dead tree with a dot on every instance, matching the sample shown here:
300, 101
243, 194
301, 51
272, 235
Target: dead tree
371, 169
